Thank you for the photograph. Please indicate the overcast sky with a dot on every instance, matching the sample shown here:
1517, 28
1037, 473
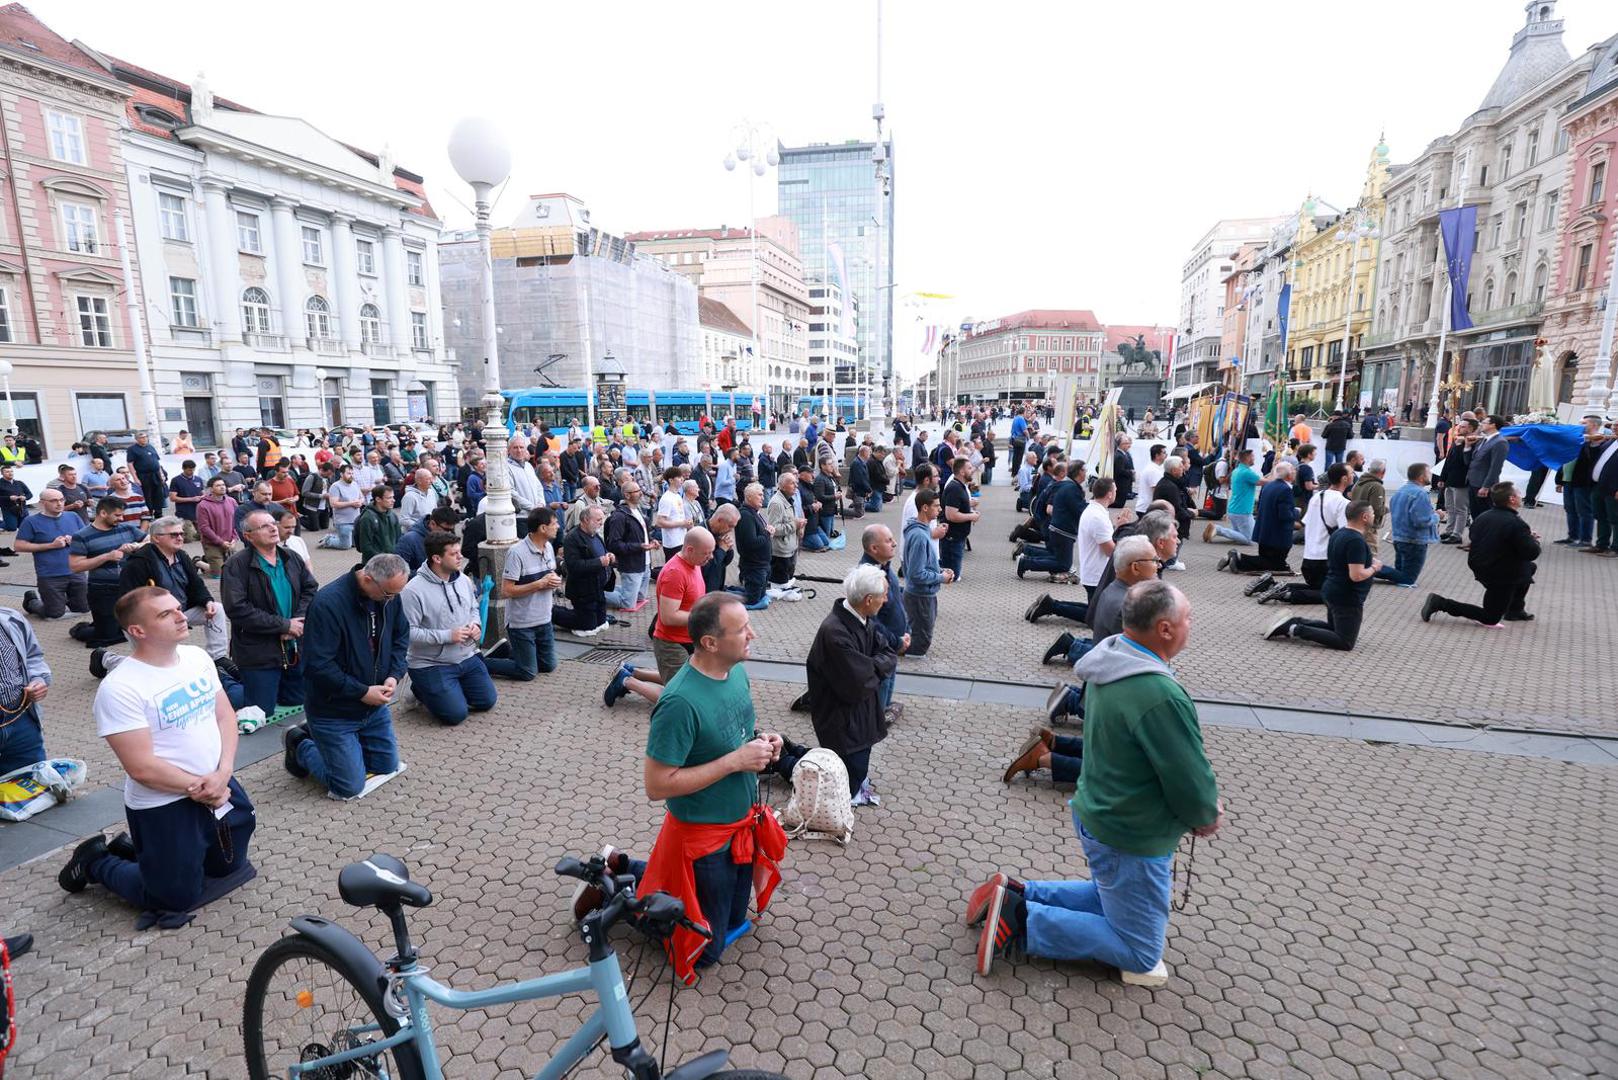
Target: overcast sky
1048, 154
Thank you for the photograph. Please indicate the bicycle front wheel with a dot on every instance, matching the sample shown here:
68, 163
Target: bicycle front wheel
303, 1003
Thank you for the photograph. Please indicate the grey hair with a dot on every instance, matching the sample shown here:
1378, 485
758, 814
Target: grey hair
169, 522
747, 492
1150, 602
869, 535
727, 511
385, 566
864, 582
1156, 525
1377, 466
781, 481
1283, 470
1129, 549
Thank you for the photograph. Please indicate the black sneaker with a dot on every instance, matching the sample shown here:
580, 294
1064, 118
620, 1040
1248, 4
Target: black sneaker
291, 739
1281, 628
123, 846
1519, 616
1005, 929
586, 897
1264, 581
1227, 562
1428, 606
30, 602
1039, 608
19, 945
98, 662
228, 666
76, 874
1058, 649
1275, 592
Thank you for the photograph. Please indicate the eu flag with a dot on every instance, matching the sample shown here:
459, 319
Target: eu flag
1458, 227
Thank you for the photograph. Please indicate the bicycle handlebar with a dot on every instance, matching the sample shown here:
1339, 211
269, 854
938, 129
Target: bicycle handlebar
660, 912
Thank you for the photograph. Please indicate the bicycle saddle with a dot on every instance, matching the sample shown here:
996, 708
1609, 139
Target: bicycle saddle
380, 881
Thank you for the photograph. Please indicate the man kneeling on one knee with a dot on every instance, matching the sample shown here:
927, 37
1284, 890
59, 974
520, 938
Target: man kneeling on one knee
174, 733
1146, 782
440, 604
355, 640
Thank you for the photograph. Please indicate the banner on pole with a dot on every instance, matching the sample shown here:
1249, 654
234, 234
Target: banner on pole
1458, 226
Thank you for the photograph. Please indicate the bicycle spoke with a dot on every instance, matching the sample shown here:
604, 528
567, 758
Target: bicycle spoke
311, 1012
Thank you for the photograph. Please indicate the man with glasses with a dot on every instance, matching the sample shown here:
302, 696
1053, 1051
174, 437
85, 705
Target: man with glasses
267, 590
1134, 560
357, 643
629, 540
163, 563
47, 535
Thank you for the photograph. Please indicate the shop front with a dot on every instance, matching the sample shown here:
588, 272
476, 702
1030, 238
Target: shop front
1496, 371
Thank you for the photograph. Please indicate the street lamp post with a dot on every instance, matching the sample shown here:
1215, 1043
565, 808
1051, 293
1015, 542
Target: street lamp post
755, 147
480, 157
1599, 385
1362, 227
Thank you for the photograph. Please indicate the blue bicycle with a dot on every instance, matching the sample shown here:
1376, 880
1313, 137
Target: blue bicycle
321, 1006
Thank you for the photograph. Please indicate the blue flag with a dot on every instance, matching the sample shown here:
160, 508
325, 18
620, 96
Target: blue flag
1283, 310
1459, 230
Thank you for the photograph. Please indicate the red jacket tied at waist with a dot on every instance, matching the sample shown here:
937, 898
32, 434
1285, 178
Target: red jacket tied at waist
757, 838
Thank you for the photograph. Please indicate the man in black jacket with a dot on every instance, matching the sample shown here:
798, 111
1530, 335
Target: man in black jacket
574, 464
1452, 481
588, 565
627, 537
1488, 458
1172, 490
1338, 429
753, 548
358, 642
1502, 559
1123, 471
847, 664
267, 590
164, 563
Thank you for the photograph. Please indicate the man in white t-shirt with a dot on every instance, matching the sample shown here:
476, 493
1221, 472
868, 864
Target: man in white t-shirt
1095, 542
174, 733
671, 515
1148, 476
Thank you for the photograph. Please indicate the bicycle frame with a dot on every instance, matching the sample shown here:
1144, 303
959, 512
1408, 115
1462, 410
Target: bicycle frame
613, 1017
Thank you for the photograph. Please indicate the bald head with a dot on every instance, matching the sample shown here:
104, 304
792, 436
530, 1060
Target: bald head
698, 546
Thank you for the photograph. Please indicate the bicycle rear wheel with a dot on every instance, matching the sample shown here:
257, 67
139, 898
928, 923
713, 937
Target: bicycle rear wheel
303, 1004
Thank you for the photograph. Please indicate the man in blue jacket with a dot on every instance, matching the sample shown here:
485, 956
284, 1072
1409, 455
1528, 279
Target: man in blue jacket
923, 575
1415, 526
356, 642
1066, 503
1272, 530
892, 624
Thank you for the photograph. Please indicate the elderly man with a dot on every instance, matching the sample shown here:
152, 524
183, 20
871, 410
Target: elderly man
267, 589
753, 538
164, 563
1369, 488
419, 499
627, 537
1146, 782
1272, 531
588, 565
1135, 559
25, 679
589, 495
847, 664
357, 643
786, 527
1172, 490
524, 484
447, 672
1323, 516
878, 548
862, 494
1123, 470
722, 524
46, 535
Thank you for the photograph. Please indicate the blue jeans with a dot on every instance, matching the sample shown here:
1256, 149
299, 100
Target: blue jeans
341, 752
1067, 759
1240, 529
755, 579
874, 503
533, 652
1579, 507
180, 846
1333, 457
814, 539
342, 536
1057, 557
9, 518
450, 692
270, 687
827, 523
627, 594
22, 742
1119, 917
1408, 559
951, 553
884, 690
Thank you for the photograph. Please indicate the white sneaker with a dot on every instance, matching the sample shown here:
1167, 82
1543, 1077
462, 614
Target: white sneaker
587, 633
1175, 565
775, 592
1158, 976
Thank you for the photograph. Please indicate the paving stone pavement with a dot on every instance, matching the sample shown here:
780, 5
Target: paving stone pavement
1369, 911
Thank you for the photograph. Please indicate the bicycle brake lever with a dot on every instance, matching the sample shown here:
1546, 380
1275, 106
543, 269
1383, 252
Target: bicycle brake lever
696, 928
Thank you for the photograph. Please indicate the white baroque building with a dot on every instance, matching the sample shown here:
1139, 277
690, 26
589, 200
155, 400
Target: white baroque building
290, 280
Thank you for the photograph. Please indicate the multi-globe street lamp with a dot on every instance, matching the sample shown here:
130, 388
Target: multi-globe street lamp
755, 149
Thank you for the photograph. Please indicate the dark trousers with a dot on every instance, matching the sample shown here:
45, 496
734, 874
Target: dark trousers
530, 651
1029, 532
1072, 609
1057, 559
587, 613
724, 889
451, 691
922, 611
1019, 449
950, 555
1268, 558
1340, 630
1498, 602
22, 742
1536, 480
1308, 592
59, 595
270, 687
1579, 508
178, 845
755, 579
858, 764
782, 567
151, 486
105, 629
1067, 759
1477, 503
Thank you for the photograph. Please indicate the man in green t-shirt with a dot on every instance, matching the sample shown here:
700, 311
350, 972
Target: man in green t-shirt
1146, 782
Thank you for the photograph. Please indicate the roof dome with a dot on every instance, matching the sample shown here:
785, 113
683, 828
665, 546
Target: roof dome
1537, 53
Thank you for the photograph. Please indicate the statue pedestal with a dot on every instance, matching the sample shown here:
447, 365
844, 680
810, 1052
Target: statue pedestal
1140, 392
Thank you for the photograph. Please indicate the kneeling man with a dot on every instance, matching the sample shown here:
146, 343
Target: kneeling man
441, 608
175, 735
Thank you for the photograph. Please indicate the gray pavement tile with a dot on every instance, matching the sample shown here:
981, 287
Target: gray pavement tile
1227, 714
998, 693
21, 841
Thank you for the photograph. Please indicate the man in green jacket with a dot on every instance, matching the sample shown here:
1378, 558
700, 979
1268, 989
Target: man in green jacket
1146, 782
377, 530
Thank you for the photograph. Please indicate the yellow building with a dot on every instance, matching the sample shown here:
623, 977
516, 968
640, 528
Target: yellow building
1334, 262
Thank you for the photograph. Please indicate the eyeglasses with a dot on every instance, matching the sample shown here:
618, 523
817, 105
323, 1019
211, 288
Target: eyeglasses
170, 535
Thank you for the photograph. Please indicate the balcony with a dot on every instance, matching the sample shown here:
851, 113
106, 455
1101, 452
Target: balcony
190, 335
1506, 316
379, 349
267, 342
326, 346
1380, 338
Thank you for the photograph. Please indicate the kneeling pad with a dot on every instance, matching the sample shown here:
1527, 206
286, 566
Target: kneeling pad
372, 782
212, 889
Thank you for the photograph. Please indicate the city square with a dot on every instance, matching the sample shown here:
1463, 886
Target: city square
522, 565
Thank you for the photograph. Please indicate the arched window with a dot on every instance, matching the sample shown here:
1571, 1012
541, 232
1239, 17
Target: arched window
370, 325
255, 311
1511, 289
1488, 295
1541, 275
317, 317
1570, 370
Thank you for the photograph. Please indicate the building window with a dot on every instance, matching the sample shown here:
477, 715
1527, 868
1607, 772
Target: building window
183, 301
365, 257
1581, 277
272, 410
1598, 182
1562, 138
1533, 149
79, 227
1550, 212
418, 330
317, 317
1511, 290
5, 315
414, 269
102, 412
67, 137
1540, 276
1494, 230
312, 253
171, 212
370, 325
248, 238
1505, 162
1519, 228
255, 311
95, 322
380, 410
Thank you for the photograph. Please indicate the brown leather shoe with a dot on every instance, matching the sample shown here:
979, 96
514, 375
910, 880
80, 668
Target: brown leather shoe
1027, 760
1207, 533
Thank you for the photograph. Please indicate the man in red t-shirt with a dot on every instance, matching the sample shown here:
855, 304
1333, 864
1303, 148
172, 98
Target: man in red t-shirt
679, 586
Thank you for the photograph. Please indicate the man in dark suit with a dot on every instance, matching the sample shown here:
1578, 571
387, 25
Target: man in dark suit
1487, 459
589, 563
1502, 559
1272, 530
1123, 471
1172, 490
1604, 493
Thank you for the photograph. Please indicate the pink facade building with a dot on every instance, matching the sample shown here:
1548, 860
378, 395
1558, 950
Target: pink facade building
63, 322
1586, 237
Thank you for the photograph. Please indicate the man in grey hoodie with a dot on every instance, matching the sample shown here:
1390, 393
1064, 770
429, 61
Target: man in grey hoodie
923, 577
440, 604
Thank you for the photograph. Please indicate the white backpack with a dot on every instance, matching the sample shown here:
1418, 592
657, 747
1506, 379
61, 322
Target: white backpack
820, 805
